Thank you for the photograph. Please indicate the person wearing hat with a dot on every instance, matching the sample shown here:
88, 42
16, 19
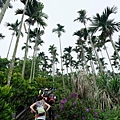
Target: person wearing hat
36, 97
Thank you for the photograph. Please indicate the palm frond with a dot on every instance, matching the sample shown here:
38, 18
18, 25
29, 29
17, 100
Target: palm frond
19, 11
1, 36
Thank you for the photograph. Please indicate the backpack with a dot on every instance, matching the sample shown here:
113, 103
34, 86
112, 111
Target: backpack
51, 99
45, 93
40, 108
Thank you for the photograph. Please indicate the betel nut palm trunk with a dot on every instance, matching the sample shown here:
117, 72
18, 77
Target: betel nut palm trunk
15, 49
114, 47
4, 10
26, 52
61, 62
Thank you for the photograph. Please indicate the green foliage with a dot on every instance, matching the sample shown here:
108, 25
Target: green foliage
5, 91
71, 107
3, 77
61, 93
4, 63
21, 93
110, 86
5, 111
19, 65
114, 85
6, 108
110, 114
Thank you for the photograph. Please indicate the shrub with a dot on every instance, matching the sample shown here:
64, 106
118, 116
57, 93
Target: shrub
72, 108
6, 108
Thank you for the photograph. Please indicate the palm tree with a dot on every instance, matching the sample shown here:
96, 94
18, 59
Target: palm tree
83, 19
23, 47
38, 41
43, 64
33, 11
16, 46
115, 60
14, 28
91, 58
102, 43
59, 31
4, 4
106, 26
41, 56
30, 11
52, 49
81, 44
98, 43
69, 62
39, 18
40, 23
117, 44
114, 57
67, 58
77, 63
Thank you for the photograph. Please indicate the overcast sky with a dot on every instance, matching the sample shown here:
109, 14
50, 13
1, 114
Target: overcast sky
59, 11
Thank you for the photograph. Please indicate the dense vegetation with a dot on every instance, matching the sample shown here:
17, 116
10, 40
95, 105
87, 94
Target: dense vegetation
87, 87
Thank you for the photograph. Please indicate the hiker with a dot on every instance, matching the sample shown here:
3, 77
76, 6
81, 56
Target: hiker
50, 99
37, 96
45, 92
51, 102
41, 108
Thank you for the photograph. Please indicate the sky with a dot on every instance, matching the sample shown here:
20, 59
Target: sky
59, 11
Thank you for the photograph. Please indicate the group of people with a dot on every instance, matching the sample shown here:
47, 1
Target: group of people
42, 105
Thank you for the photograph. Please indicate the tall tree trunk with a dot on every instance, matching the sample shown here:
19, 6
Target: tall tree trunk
10, 45
15, 49
114, 48
96, 54
26, 52
34, 65
92, 45
84, 61
67, 76
61, 62
35, 54
92, 67
93, 77
31, 72
53, 67
109, 59
33, 61
73, 81
4, 10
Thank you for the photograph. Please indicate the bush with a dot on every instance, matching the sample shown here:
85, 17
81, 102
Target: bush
110, 114
72, 108
6, 108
